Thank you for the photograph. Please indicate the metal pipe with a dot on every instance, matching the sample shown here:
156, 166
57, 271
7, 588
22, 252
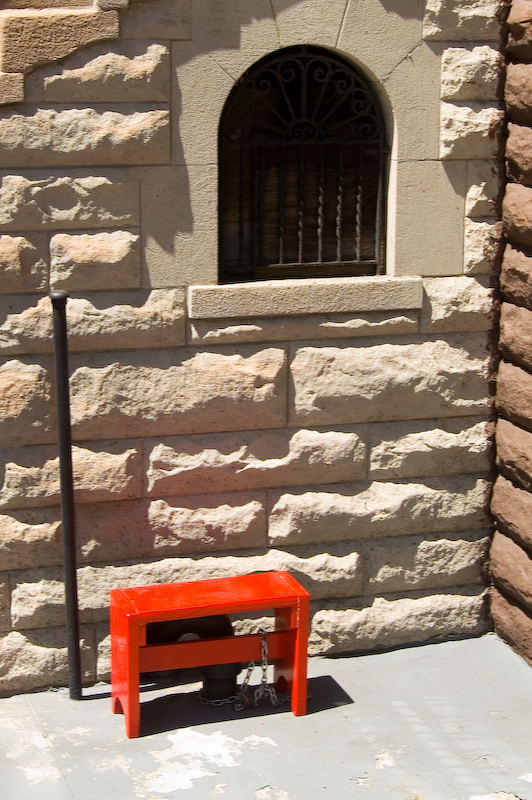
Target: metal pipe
68, 516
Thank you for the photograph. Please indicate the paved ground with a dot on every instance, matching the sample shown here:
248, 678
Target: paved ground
449, 721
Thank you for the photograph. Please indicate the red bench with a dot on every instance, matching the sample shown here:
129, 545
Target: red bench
132, 609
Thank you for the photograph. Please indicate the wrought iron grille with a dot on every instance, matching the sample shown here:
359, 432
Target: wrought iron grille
302, 170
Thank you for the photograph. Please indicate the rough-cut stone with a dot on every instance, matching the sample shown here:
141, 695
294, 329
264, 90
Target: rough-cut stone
102, 472
520, 11
415, 379
156, 322
471, 73
516, 277
102, 260
38, 599
512, 624
35, 37
363, 511
5, 602
518, 93
417, 562
482, 243
179, 391
511, 569
24, 403
483, 180
23, 263
456, 304
11, 87
513, 509
241, 461
37, 200
84, 136
157, 19
319, 326
132, 72
514, 394
393, 621
430, 447
519, 44
517, 213
516, 335
470, 130
518, 158
30, 539
456, 20
514, 453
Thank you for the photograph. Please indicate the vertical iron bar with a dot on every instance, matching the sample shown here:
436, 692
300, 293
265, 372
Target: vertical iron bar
339, 203
320, 206
68, 517
262, 181
378, 221
358, 231
241, 185
281, 203
300, 203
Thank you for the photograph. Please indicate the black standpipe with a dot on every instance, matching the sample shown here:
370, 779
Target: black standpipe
68, 516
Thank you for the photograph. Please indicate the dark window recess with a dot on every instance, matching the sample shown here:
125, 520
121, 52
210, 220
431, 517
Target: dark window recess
303, 159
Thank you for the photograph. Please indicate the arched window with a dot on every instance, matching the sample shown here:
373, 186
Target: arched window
303, 158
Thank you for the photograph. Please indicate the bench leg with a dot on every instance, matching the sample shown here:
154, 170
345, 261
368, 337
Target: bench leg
125, 697
291, 671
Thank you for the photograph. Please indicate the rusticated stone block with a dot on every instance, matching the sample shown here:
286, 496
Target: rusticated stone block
38, 200
11, 87
511, 568
483, 180
482, 243
516, 277
518, 158
519, 44
35, 37
514, 394
456, 20
512, 624
179, 391
100, 260
516, 335
369, 511
23, 263
24, 403
517, 214
514, 453
158, 19
241, 461
470, 130
518, 93
418, 379
520, 11
471, 73
5, 602
393, 621
460, 303
429, 447
513, 509
102, 472
38, 599
83, 137
30, 539
43, 3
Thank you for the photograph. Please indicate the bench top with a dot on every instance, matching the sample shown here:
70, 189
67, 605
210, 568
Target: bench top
215, 596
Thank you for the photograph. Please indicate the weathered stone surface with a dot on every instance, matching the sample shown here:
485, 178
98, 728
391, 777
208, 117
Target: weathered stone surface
132, 72
470, 130
513, 508
514, 394
520, 11
24, 403
11, 87
179, 391
518, 93
517, 213
5, 602
516, 277
459, 303
429, 447
156, 322
157, 19
471, 73
511, 569
319, 326
102, 260
37, 200
392, 621
456, 20
102, 472
512, 624
482, 243
516, 335
514, 453
362, 511
84, 136
23, 263
483, 180
30, 539
36, 37
416, 562
414, 379
240, 461
519, 44
38, 597
518, 160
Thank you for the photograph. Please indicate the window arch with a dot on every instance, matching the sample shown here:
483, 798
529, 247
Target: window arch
303, 159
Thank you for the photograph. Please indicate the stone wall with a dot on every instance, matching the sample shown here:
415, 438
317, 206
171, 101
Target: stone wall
338, 428
511, 551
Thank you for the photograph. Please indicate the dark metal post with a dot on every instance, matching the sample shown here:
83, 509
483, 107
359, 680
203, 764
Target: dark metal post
68, 517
